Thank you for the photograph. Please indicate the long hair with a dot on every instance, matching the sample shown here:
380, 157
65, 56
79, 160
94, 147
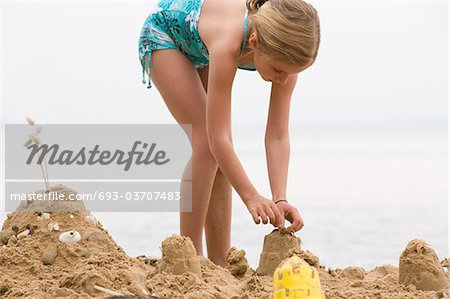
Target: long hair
286, 29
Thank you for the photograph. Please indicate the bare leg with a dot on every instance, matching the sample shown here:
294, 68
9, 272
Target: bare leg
192, 223
185, 97
218, 220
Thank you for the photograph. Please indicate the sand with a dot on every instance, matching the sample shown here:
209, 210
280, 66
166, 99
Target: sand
38, 265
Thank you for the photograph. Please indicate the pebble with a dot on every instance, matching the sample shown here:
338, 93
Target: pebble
5, 235
49, 255
23, 234
12, 240
91, 220
53, 226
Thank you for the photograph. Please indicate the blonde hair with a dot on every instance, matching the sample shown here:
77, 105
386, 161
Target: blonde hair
286, 29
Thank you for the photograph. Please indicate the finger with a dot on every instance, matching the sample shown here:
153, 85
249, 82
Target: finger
278, 215
271, 214
295, 226
298, 223
282, 220
263, 216
255, 216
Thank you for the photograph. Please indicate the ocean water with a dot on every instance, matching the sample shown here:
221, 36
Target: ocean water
362, 200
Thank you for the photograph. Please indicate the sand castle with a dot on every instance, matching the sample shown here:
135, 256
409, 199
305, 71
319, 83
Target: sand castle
179, 256
34, 263
419, 265
276, 248
238, 265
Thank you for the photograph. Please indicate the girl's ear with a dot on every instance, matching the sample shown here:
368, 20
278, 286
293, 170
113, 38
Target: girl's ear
253, 40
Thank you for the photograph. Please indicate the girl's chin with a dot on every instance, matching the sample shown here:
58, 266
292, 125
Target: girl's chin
267, 80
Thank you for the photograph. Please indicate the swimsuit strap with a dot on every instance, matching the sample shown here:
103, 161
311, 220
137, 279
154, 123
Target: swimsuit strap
245, 30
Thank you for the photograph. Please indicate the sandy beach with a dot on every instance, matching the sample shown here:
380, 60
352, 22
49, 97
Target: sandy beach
59, 250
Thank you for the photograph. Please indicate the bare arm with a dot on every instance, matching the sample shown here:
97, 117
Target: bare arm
278, 150
222, 69
277, 137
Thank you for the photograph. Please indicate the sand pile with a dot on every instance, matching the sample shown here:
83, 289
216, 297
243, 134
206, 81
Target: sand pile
237, 262
179, 256
34, 263
420, 266
182, 274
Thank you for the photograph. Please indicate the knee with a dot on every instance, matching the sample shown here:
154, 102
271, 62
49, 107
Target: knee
202, 153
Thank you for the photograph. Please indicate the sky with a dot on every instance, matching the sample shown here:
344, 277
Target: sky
379, 62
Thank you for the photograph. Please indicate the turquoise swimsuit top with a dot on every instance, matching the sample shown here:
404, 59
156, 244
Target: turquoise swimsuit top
173, 24
245, 66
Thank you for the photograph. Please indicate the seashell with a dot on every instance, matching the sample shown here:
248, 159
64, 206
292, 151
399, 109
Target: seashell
71, 216
45, 216
53, 226
23, 234
91, 220
70, 237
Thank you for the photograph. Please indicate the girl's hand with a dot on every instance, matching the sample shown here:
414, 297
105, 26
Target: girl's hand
261, 207
291, 214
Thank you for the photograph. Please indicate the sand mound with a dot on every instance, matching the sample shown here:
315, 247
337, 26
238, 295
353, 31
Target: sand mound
382, 271
179, 256
237, 261
307, 256
420, 266
38, 265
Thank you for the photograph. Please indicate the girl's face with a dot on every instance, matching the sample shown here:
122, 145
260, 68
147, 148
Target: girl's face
272, 69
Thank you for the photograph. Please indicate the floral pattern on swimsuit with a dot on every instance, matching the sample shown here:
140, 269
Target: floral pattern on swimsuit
173, 24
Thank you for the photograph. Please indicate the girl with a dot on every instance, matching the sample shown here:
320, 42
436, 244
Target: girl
191, 49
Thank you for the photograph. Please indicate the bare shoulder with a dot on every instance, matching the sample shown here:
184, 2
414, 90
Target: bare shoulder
222, 23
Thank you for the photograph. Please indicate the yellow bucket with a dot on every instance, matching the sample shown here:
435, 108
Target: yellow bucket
296, 279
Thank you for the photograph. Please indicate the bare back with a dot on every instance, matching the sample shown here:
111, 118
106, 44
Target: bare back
222, 21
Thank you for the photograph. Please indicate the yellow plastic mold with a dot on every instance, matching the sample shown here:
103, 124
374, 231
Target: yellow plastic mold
296, 279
